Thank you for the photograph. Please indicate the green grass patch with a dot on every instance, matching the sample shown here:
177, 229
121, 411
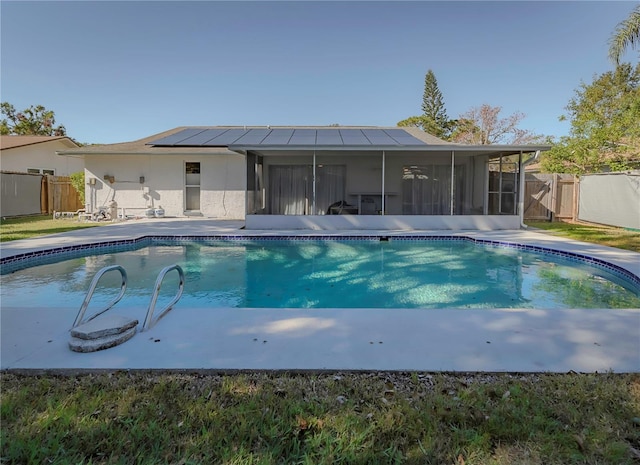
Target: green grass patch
12, 229
348, 418
597, 234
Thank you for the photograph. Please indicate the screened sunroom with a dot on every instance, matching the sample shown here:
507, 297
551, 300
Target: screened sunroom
422, 186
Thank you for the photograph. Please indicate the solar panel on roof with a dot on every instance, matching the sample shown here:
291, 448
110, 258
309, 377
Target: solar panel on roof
227, 138
224, 137
278, 137
303, 137
328, 137
403, 137
201, 138
378, 137
354, 137
254, 136
177, 137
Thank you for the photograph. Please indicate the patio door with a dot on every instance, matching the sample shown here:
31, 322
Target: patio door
504, 186
192, 186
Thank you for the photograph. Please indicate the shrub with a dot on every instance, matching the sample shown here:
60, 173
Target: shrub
77, 181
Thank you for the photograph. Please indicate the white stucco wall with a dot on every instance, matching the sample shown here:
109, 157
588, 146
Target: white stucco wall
222, 183
386, 222
41, 156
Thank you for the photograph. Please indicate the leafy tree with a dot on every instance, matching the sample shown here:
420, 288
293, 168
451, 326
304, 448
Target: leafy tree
605, 125
35, 120
483, 126
77, 181
415, 121
434, 119
627, 34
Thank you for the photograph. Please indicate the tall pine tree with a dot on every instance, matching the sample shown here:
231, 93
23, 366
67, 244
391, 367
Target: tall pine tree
436, 120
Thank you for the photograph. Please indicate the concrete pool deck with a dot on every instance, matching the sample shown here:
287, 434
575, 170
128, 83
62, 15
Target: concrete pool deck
540, 340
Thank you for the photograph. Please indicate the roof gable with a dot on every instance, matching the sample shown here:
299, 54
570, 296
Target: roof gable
13, 141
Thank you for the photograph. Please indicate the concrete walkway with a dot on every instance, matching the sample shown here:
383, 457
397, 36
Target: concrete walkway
336, 339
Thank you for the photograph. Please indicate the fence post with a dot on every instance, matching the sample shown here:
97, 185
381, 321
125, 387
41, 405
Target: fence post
554, 199
576, 197
43, 195
51, 195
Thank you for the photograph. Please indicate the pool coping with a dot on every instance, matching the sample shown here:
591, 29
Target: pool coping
502, 340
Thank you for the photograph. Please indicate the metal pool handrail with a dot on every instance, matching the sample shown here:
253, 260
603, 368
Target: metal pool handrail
92, 288
148, 322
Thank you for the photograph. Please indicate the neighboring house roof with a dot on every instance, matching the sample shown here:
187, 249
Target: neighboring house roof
176, 141
12, 142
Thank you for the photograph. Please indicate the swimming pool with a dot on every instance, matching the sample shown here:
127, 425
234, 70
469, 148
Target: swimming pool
434, 272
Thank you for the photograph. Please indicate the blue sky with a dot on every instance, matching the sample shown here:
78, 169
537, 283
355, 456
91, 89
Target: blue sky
120, 71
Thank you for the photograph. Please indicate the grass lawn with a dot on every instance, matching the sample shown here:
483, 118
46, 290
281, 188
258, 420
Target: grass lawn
12, 229
347, 418
154, 417
604, 235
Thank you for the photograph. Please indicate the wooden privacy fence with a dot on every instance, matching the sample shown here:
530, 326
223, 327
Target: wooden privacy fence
550, 197
58, 194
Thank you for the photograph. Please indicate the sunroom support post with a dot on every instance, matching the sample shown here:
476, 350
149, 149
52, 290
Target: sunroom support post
313, 200
500, 185
452, 181
521, 187
383, 199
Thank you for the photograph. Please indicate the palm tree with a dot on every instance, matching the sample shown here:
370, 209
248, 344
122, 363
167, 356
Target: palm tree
626, 33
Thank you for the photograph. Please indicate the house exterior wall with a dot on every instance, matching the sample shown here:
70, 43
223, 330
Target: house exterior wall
41, 156
222, 183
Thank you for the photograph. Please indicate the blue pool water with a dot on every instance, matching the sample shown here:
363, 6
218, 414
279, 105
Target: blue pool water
330, 274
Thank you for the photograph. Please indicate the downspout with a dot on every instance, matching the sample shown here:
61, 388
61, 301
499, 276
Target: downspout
522, 186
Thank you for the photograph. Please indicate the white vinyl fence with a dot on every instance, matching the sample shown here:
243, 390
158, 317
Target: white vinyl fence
21, 194
611, 198
32, 194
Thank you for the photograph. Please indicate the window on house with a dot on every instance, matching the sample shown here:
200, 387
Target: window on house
192, 186
40, 171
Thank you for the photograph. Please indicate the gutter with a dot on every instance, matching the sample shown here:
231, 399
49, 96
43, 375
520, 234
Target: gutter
521, 200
